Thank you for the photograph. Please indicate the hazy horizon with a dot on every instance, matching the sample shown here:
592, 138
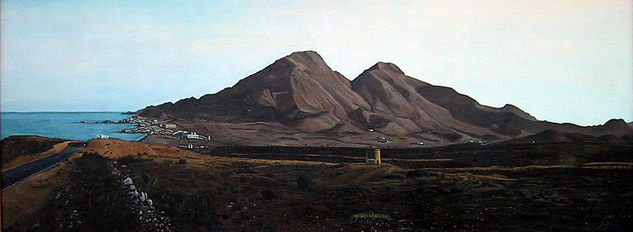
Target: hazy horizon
563, 61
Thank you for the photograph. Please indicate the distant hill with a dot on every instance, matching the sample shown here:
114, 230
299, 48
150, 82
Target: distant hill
555, 136
301, 92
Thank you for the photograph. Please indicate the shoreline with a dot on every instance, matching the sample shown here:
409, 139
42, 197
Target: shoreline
141, 139
75, 125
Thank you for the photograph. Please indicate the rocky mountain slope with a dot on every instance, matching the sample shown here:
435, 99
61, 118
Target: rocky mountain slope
300, 92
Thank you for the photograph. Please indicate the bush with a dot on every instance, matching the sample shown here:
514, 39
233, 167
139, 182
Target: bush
268, 194
92, 191
128, 159
304, 181
414, 173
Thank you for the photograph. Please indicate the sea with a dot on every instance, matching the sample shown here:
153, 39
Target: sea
65, 125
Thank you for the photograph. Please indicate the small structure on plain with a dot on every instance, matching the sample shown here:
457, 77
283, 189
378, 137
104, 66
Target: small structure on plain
372, 156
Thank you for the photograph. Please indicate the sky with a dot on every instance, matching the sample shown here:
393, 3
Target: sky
561, 61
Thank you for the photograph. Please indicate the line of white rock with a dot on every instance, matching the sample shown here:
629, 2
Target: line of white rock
148, 217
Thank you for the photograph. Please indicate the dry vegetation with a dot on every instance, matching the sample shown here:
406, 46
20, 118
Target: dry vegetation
581, 187
116, 148
22, 200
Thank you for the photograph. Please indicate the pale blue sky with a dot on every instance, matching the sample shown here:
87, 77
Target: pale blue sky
564, 61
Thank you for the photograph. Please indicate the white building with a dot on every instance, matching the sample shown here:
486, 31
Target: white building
168, 126
103, 137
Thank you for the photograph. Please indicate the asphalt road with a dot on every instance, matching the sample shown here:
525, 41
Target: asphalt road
19, 173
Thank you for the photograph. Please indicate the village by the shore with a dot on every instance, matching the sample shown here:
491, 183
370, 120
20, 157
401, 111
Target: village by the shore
163, 129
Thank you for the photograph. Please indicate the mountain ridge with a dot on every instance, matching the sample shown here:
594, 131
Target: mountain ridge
301, 92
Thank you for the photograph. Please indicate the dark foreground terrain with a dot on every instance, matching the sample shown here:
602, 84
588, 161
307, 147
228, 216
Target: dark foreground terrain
530, 187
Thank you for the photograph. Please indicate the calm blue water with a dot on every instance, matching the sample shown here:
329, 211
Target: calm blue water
66, 125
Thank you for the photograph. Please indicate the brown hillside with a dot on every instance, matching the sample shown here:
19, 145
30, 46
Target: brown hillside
392, 95
301, 93
299, 90
116, 148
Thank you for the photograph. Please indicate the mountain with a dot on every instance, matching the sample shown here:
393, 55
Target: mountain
468, 110
555, 136
299, 90
301, 93
393, 98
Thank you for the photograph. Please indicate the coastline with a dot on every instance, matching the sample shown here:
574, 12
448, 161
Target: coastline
141, 139
68, 125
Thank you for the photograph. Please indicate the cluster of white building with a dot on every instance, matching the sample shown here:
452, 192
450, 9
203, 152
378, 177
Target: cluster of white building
191, 146
191, 135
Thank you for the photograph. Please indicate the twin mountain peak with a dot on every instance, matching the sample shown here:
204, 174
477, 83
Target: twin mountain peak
301, 92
